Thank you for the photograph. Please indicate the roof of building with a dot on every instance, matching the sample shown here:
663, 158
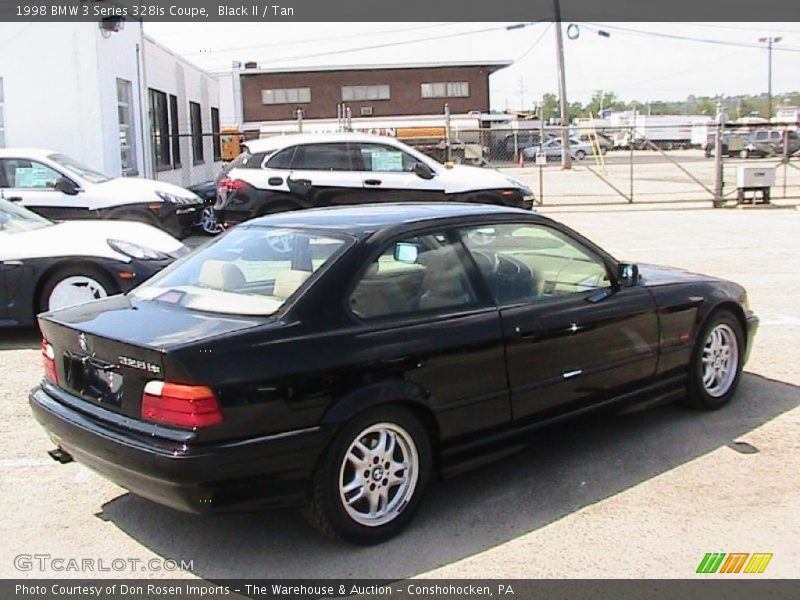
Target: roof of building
494, 65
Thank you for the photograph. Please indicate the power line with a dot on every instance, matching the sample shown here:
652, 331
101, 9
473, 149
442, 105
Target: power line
534, 44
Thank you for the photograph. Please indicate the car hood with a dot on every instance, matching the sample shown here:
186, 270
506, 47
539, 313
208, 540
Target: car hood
660, 275
139, 189
147, 324
462, 178
85, 238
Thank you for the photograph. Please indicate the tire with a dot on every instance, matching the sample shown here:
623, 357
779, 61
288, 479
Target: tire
744, 153
342, 463
706, 392
580, 155
208, 222
95, 282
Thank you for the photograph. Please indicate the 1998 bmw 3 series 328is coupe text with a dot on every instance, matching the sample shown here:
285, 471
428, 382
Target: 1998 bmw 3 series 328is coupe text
341, 358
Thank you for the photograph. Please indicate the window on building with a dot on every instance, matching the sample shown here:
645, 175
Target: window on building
159, 129
286, 96
215, 134
445, 89
351, 93
174, 132
127, 135
196, 119
2, 116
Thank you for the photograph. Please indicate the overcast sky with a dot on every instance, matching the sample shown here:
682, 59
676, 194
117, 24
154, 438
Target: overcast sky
634, 65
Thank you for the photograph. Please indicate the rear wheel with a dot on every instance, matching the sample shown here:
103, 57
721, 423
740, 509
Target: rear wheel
580, 155
75, 285
371, 479
716, 364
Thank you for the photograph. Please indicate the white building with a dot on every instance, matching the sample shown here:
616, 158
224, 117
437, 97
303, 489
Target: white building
115, 100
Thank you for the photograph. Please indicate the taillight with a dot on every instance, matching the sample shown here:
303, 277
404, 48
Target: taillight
226, 184
180, 405
49, 362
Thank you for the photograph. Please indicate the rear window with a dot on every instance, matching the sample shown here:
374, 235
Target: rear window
246, 160
249, 271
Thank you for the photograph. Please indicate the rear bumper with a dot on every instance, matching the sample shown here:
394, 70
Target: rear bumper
267, 471
179, 219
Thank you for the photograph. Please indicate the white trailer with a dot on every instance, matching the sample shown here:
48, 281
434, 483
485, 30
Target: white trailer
667, 132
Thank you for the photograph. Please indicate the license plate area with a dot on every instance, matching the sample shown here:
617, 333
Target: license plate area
94, 379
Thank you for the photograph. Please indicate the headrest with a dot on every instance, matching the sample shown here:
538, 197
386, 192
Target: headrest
287, 282
221, 275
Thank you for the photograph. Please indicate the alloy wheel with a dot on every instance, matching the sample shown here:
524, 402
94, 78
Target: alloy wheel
75, 289
720, 360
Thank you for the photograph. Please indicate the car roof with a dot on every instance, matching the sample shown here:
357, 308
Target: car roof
283, 141
363, 220
26, 153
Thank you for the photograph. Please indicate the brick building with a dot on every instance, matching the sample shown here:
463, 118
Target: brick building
369, 91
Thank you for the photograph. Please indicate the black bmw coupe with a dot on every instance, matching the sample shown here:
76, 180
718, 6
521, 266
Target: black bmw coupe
340, 358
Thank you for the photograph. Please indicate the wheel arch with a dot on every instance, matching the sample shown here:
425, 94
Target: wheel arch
60, 265
725, 305
402, 394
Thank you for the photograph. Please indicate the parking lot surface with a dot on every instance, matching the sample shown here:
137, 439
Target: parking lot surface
644, 494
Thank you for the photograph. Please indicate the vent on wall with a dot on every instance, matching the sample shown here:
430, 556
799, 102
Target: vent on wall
366, 111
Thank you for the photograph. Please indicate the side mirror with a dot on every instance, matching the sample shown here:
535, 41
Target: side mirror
627, 274
65, 186
423, 171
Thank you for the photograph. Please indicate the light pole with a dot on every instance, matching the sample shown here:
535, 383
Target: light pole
566, 157
769, 40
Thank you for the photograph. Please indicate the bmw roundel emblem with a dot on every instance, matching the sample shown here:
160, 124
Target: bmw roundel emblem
83, 343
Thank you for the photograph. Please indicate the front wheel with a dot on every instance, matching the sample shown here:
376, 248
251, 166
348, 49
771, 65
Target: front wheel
744, 153
75, 285
716, 363
370, 481
580, 155
209, 223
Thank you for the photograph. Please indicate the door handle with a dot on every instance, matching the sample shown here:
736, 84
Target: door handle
14, 198
276, 180
372, 182
528, 335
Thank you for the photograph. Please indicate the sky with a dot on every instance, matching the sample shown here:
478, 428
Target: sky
635, 65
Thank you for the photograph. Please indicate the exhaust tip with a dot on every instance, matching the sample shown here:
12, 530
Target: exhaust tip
61, 456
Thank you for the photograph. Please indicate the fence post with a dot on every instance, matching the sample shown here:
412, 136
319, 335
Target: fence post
448, 155
630, 144
300, 120
785, 156
719, 200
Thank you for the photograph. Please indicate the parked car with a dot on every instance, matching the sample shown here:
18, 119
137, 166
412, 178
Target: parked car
301, 171
732, 143
766, 142
46, 265
552, 149
393, 344
60, 188
524, 138
604, 143
207, 190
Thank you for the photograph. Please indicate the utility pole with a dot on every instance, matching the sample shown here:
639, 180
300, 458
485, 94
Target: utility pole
719, 197
566, 157
769, 41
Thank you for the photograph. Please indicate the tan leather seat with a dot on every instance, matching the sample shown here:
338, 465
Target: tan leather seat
221, 275
287, 282
443, 283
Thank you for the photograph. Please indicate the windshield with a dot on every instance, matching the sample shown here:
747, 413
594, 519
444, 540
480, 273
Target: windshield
76, 168
249, 271
14, 218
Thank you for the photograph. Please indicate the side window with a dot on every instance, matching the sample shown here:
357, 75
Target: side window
377, 157
322, 157
282, 159
417, 274
524, 262
21, 173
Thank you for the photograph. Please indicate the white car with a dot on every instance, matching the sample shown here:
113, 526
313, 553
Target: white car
46, 265
60, 188
298, 171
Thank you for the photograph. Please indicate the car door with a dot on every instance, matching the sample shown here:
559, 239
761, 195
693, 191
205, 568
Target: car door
322, 175
387, 174
424, 321
30, 183
573, 337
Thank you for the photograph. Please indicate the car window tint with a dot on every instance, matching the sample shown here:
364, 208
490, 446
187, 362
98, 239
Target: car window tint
380, 158
282, 159
245, 160
322, 157
418, 274
526, 262
27, 174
